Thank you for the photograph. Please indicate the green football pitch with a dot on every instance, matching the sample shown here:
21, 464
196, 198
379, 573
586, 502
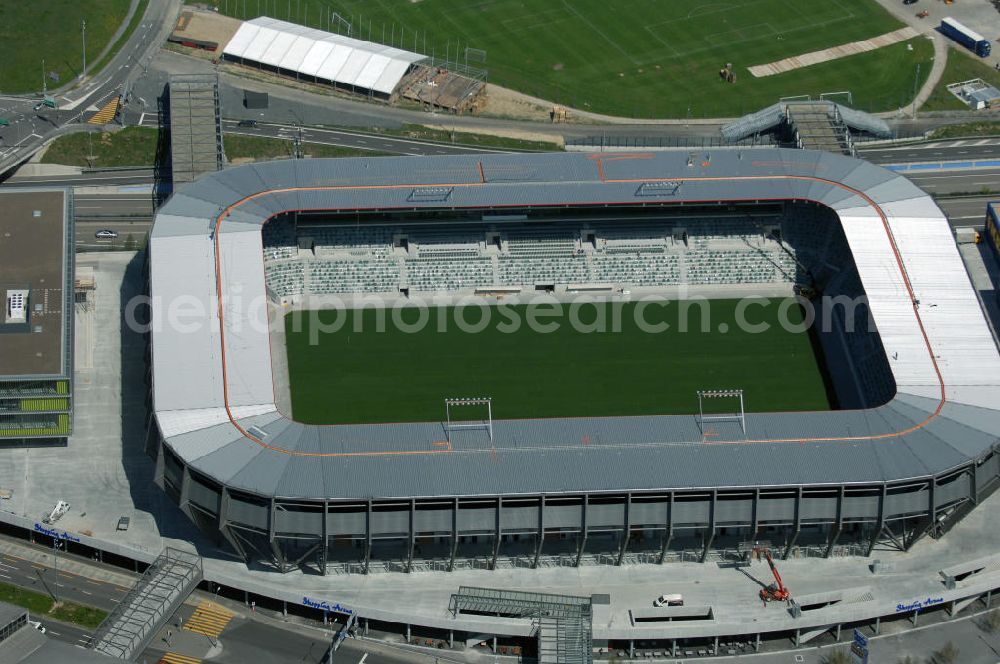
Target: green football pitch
643, 58
344, 366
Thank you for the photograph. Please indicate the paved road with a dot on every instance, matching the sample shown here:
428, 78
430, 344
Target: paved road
342, 138
94, 179
958, 150
952, 182
966, 211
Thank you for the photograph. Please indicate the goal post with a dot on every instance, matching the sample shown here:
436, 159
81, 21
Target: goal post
712, 395
485, 423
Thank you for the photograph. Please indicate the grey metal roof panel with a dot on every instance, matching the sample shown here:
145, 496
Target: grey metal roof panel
261, 472
224, 463
196, 444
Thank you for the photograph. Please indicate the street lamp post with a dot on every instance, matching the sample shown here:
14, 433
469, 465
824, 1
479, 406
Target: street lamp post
83, 32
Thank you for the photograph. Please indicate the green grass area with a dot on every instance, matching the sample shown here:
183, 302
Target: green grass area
423, 133
238, 146
643, 58
967, 129
396, 372
133, 23
961, 66
132, 146
136, 146
41, 606
51, 29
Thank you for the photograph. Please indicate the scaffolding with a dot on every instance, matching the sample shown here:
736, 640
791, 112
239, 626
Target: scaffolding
160, 591
563, 623
195, 127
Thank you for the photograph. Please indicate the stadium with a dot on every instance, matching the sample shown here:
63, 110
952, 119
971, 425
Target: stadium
882, 429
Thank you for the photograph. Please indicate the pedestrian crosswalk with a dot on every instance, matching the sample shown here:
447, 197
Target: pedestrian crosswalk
209, 619
174, 658
106, 114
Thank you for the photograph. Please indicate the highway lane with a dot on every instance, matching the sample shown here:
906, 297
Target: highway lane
965, 211
943, 150
87, 179
342, 138
952, 182
60, 583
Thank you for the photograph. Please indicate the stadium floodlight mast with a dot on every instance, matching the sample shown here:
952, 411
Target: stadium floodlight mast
720, 394
469, 401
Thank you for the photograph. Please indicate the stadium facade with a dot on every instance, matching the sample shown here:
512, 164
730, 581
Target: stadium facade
36, 328
584, 490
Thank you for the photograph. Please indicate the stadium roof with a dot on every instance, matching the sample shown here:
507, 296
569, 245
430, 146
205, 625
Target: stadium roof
322, 55
213, 392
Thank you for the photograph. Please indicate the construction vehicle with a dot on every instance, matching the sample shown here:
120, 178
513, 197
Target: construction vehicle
774, 592
61, 508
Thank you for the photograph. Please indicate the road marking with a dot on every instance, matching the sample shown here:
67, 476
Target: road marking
68, 576
42, 567
86, 592
5, 576
363, 658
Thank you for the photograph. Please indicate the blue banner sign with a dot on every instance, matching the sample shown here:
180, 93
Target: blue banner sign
57, 534
323, 605
919, 604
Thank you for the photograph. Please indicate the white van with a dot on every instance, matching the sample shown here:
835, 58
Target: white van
669, 600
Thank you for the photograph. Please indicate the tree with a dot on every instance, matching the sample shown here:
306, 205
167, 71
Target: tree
948, 654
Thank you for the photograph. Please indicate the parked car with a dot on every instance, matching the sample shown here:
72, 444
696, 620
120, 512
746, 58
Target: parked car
37, 625
246, 123
106, 234
669, 600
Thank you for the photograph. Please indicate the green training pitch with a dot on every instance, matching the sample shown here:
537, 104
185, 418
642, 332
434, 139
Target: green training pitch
51, 30
395, 375
642, 58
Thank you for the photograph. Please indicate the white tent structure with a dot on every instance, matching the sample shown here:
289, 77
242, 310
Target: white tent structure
360, 66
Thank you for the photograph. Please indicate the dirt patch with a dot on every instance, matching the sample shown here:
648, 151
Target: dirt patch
507, 103
206, 26
558, 66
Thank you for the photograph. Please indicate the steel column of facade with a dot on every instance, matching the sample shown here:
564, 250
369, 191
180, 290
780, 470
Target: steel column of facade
326, 538
754, 511
368, 536
628, 528
974, 482
711, 526
838, 525
454, 534
583, 528
223, 518
541, 531
185, 492
496, 540
668, 532
412, 536
881, 520
158, 466
798, 523
931, 513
